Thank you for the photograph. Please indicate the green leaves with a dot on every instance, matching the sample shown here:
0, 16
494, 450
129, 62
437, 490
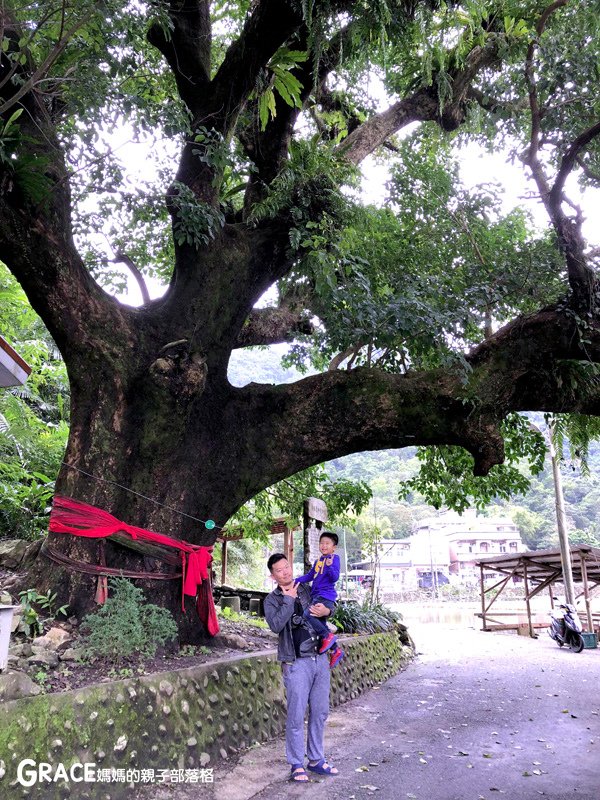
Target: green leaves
446, 474
575, 433
266, 107
367, 617
343, 497
33, 427
517, 28
196, 223
283, 82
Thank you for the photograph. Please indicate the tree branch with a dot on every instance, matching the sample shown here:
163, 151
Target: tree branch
589, 173
581, 277
42, 70
422, 106
269, 149
330, 415
187, 48
216, 105
267, 326
569, 160
269, 26
341, 357
36, 238
340, 412
493, 104
364, 140
123, 258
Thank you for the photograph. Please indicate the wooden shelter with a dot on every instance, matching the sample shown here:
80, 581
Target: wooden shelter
277, 526
539, 570
14, 371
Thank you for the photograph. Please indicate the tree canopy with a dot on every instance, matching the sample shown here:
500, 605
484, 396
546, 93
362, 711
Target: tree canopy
433, 319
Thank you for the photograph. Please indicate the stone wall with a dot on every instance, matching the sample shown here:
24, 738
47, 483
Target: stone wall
186, 719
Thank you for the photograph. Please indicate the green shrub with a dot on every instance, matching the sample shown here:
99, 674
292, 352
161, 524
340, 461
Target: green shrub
366, 618
32, 624
127, 625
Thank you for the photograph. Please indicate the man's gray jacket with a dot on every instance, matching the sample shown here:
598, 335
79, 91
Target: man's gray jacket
279, 610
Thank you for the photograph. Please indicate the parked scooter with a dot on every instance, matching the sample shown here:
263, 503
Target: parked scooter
566, 627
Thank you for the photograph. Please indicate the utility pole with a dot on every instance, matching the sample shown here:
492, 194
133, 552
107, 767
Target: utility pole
561, 524
561, 517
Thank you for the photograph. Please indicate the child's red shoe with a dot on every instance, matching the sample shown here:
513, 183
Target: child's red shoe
327, 643
336, 657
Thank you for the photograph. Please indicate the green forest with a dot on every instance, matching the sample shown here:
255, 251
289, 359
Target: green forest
362, 489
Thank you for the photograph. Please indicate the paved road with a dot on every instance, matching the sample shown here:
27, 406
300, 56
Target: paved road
478, 716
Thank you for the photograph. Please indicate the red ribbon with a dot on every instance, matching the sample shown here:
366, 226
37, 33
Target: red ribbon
80, 519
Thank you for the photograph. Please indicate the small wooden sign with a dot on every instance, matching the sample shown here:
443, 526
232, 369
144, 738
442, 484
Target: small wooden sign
316, 509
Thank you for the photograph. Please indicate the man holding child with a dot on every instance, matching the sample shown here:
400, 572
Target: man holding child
306, 671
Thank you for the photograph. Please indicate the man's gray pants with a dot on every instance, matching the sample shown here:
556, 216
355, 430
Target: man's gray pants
306, 683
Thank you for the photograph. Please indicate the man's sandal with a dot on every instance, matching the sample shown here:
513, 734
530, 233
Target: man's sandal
322, 768
299, 774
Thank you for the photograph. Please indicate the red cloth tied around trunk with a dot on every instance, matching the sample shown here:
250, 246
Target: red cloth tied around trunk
80, 519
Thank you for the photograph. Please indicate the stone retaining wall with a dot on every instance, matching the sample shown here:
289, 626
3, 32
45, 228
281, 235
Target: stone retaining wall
185, 719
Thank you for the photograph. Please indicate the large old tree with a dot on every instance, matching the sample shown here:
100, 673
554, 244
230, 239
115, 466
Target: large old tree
434, 319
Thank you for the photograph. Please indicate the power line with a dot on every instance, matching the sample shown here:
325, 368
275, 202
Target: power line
209, 524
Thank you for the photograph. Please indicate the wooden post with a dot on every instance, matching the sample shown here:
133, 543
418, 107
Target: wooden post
312, 509
586, 593
527, 600
223, 562
305, 526
482, 597
288, 545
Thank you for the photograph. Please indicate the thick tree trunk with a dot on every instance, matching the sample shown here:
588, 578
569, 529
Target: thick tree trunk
150, 450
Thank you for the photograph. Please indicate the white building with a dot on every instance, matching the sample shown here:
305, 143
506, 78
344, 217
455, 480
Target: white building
430, 558
393, 564
471, 537
443, 549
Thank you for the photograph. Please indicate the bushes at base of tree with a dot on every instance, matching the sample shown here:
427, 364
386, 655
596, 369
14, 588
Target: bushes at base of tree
364, 618
126, 625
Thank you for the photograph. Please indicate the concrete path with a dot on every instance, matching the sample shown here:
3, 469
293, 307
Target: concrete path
478, 716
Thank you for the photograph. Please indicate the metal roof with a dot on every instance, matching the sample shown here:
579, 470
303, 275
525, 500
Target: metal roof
14, 371
544, 566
